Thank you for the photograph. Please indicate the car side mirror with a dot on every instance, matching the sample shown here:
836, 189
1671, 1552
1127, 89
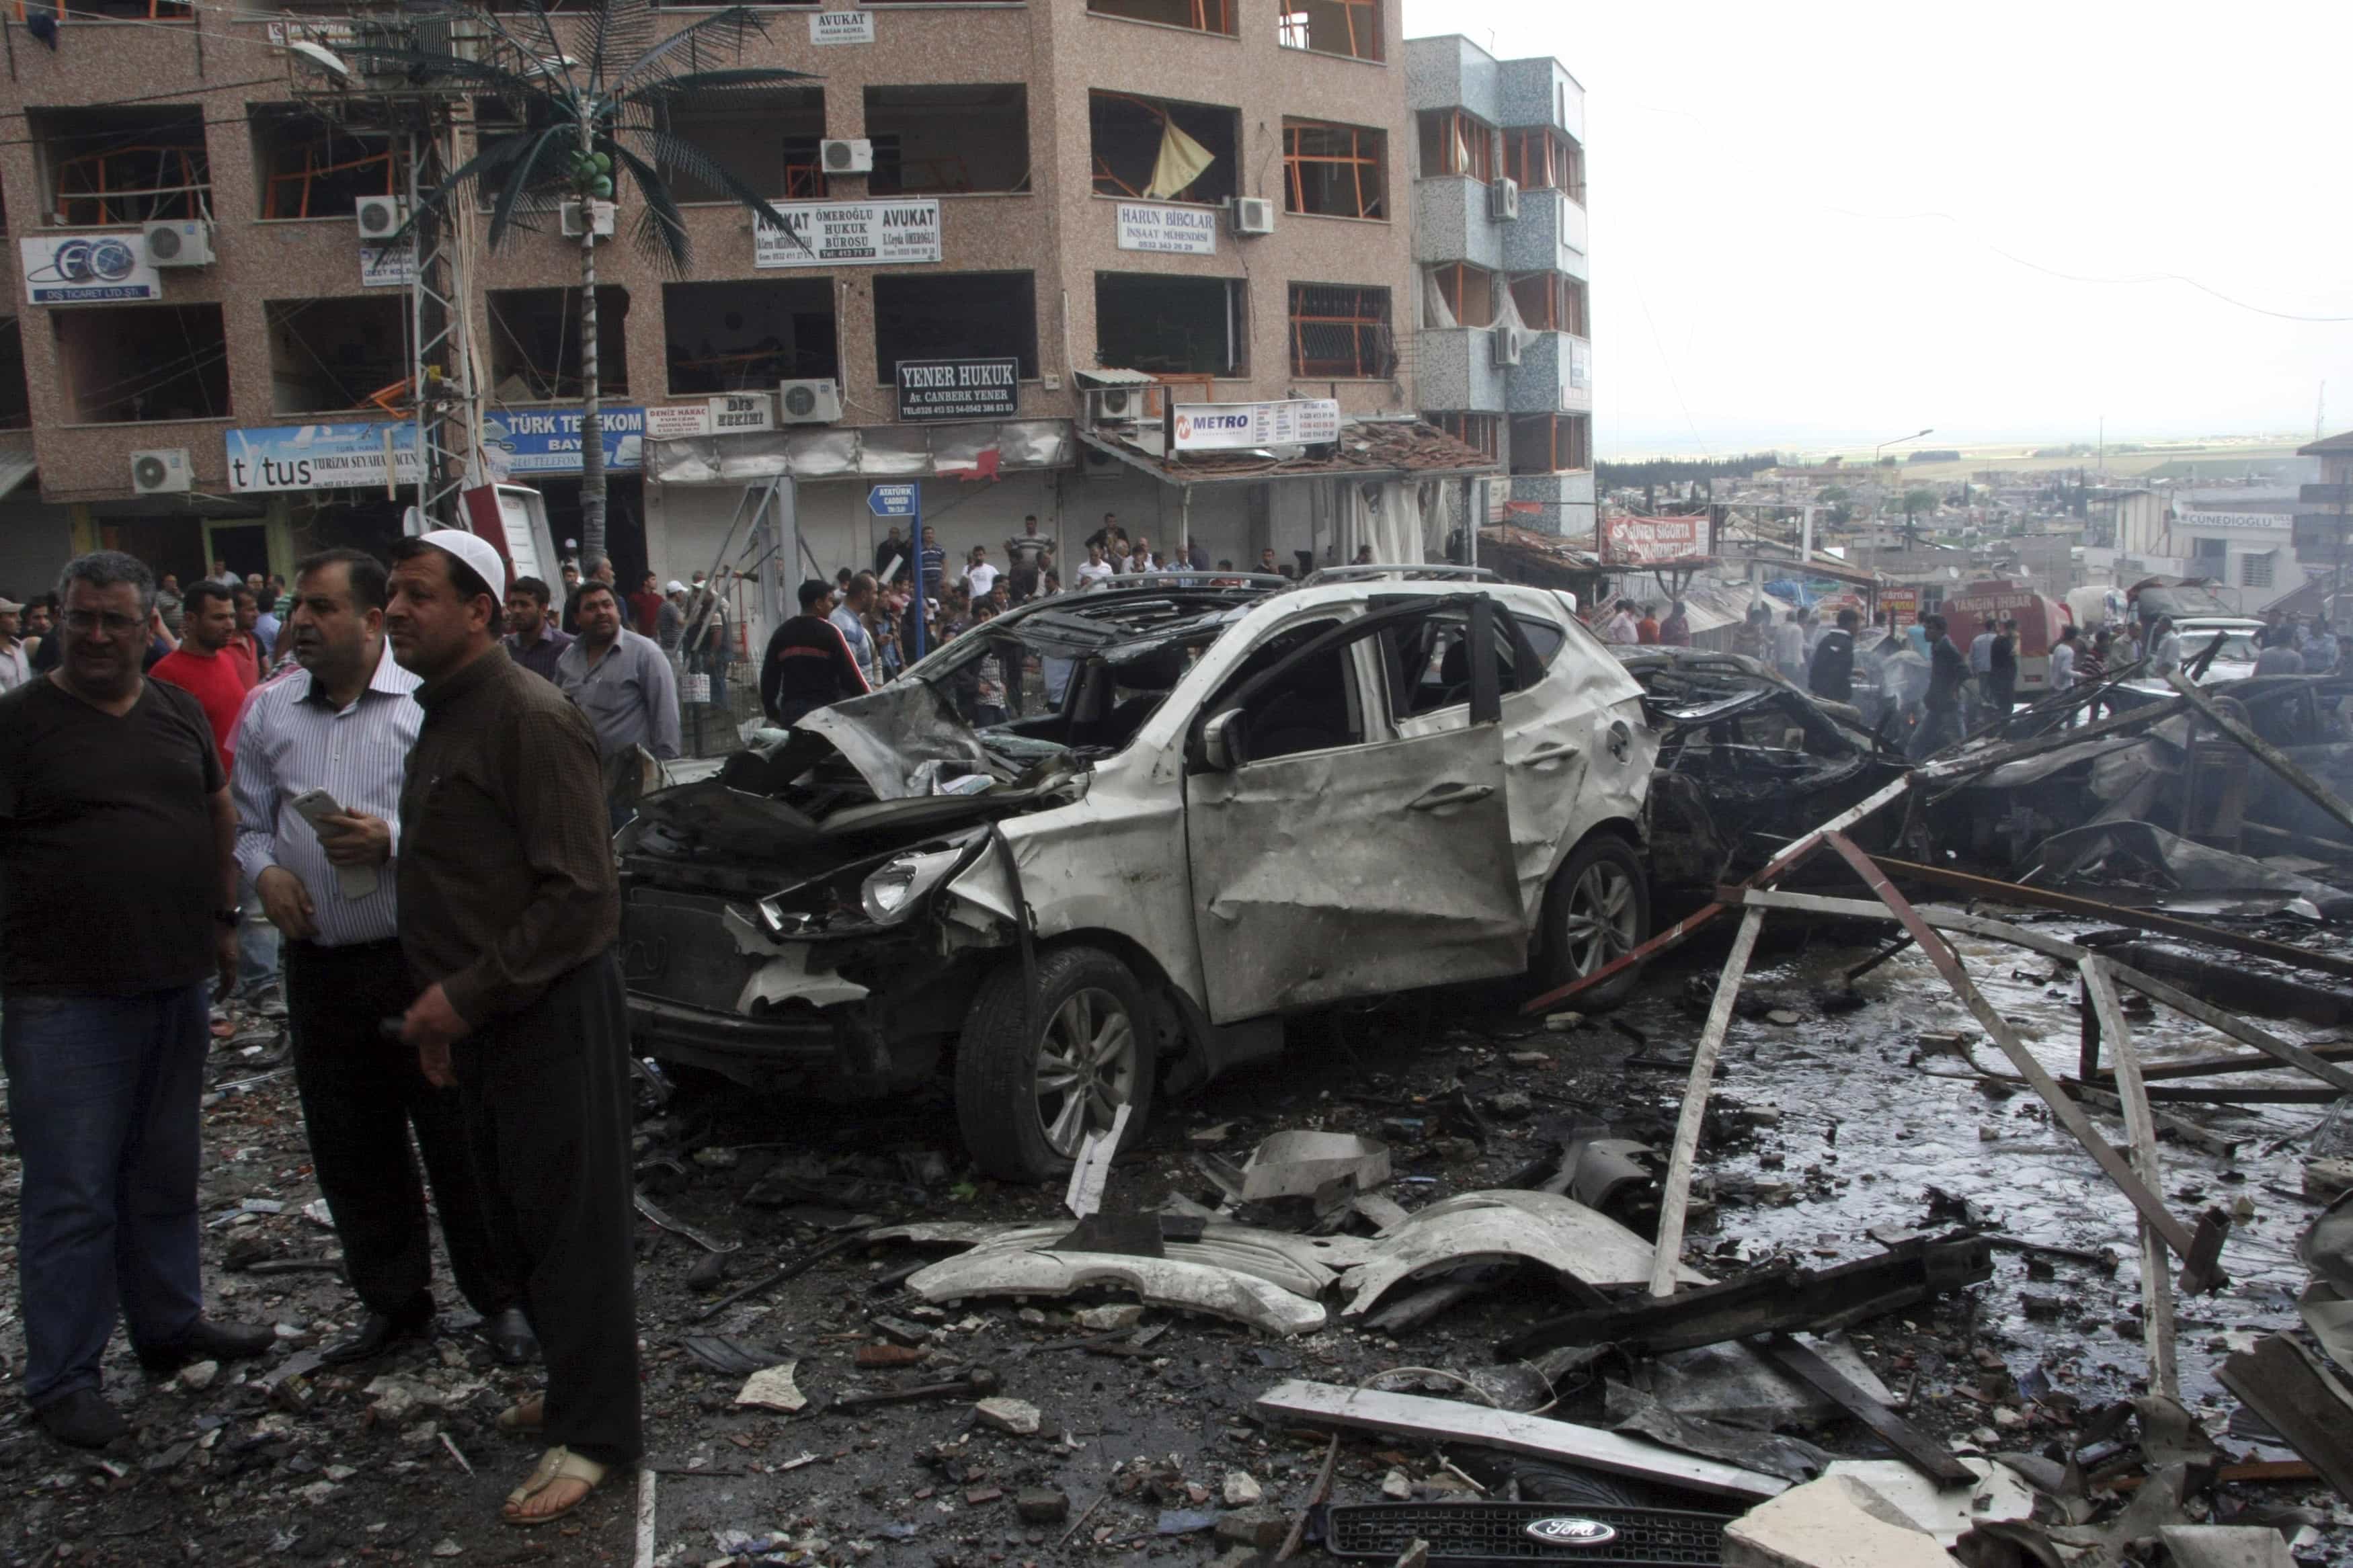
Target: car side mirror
1221, 741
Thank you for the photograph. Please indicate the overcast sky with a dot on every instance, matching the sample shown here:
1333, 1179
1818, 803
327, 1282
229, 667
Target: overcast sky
1797, 215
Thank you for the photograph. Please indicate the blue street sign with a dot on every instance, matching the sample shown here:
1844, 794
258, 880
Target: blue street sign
892, 501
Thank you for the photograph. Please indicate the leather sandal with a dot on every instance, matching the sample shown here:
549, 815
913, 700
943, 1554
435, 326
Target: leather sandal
558, 1464
524, 1415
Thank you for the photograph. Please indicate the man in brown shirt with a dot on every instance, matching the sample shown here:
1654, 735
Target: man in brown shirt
508, 908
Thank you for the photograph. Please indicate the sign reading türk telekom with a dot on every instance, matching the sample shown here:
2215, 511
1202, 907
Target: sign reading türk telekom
1644, 540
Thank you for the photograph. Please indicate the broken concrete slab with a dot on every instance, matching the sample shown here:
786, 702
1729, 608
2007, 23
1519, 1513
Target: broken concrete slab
1262, 1527
1998, 1494
1834, 1522
1017, 1416
2286, 1385
1297, 1164
1171, 1282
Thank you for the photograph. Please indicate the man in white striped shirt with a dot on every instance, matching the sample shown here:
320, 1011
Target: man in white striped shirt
343, 725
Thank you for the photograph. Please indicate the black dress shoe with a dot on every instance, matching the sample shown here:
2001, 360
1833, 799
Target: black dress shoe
380, 1331
510, 1338
208, 1340
82, 1418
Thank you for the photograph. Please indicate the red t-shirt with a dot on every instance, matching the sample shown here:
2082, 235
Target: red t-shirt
644, 605
215, 682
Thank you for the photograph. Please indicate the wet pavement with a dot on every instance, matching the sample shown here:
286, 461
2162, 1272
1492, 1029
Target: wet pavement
1826, 1128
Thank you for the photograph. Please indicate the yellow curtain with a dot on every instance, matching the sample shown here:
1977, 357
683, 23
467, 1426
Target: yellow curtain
1182, 161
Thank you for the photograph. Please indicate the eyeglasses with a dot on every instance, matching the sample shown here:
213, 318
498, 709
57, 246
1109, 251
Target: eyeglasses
88, 621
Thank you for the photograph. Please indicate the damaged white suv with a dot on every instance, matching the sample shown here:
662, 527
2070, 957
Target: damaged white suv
1249, 799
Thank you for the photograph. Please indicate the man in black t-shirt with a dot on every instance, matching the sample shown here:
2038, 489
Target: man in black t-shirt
809, 664
117, 903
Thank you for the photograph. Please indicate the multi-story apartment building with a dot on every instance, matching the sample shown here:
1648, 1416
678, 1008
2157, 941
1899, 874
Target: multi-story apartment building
1085, 199
1504, 355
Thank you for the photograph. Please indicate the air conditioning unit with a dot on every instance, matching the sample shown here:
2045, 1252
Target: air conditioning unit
810, 402
1115, 405
602, 212
1504, 200
1253, 214
380, 218
847, 157
162, 472
186, 243
1505, 341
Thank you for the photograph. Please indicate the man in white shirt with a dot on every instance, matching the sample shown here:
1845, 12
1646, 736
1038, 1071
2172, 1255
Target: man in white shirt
16, 667
1141, 559
344, 725
2062, 660
1619, 626
1095, 571
1789, 646
979, 575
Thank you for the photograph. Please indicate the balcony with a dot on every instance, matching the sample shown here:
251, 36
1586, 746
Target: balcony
1450, 223
1554, 374
1547, 237
1456, 370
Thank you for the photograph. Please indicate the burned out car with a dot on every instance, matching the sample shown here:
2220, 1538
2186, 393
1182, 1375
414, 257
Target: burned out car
1746, 762
1248, 800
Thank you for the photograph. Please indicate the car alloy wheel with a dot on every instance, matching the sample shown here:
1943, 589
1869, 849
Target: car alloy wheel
1603, 918
1086, 1068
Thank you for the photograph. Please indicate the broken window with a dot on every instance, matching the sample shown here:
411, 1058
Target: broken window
1200, 15
1542, 158
1454, 142
123, 165
312, 166
1159, 149
15, 398
1467, 292
535, 343
332, 355
1351, 28
744, 337
1335, 171
947, 139
1341, 331
1172, 325
131, 363
954, 315
767, 136
1552, 302
1552, 443
1473, 431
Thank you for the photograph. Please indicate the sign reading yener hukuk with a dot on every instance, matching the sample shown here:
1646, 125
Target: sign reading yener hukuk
959, 388
1646, 541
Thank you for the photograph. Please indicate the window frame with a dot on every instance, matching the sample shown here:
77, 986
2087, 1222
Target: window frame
1294, 188
1373, 51
1562, 166
1201, 8
1381, 366
1459, 128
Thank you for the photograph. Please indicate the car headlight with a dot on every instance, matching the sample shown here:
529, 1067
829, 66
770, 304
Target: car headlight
891, 892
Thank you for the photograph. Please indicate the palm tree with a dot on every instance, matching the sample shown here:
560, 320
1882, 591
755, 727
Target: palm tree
594, 104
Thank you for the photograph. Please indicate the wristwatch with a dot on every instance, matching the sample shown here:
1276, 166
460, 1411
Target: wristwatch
232, 917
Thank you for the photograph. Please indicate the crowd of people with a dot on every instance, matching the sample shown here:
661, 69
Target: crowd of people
422, 821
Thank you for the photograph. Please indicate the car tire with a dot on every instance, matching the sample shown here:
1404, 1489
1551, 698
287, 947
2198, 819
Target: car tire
1598, 907
1020, 1068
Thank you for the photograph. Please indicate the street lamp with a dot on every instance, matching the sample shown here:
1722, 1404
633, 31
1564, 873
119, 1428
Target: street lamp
1897, 441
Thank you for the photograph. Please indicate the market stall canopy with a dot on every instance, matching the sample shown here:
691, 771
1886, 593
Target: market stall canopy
863, 451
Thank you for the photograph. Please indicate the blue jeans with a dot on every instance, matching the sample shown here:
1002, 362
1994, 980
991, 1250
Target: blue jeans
102, 1096
256, 946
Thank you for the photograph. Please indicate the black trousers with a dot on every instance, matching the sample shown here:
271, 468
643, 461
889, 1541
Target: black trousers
362, 1096
547, 1097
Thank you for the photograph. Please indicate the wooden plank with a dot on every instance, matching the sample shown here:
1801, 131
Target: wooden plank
2237, 1028
1922, 1452
1676, 1199
1779, 866
1456, 1421
2064, 1110
2155, 1289
2271, 756
2215, 1067
2113, 914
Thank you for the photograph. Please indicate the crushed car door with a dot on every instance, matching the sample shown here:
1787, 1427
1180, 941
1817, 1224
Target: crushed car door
1334, 859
